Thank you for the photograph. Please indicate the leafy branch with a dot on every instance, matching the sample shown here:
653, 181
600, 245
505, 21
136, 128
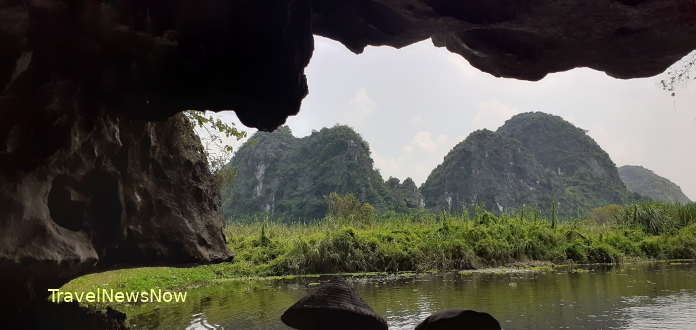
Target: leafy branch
214, 133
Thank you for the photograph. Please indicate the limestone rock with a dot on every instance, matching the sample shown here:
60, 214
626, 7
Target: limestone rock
533, 160
282, 176
645, 182
86, 191
151, 59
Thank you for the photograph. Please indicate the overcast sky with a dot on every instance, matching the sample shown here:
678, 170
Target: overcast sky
412, 105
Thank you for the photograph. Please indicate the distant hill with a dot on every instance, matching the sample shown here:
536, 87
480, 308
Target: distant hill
645, 182
534, 159
284, 176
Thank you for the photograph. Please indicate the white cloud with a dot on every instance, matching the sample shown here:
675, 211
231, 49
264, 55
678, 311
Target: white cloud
362, 106
426, 141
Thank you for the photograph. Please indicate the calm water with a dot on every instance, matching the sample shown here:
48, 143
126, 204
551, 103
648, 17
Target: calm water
647, 296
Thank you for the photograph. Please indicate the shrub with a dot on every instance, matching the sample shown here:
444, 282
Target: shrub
627, 242
603, 253
652, 217
576, 251
686, 214
653, 247
683, 245
348, 207
609, 214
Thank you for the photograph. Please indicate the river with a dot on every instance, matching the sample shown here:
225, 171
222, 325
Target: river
634, 296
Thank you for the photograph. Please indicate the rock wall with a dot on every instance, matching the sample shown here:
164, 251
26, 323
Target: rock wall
83, 191
152, 58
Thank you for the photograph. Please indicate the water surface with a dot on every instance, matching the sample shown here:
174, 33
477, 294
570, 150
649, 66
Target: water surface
640, 296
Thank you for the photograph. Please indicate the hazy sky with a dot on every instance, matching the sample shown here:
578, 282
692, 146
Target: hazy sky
412, 105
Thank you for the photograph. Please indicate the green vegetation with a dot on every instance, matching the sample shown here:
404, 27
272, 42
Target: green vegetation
285, 177
420, 242
213, 133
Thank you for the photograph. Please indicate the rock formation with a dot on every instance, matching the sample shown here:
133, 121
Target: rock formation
152, 58
646, 183
282, 176
534, 160
89, 191
406, 192
77, 76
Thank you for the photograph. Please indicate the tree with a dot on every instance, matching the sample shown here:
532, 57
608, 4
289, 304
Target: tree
214, 133
348, 207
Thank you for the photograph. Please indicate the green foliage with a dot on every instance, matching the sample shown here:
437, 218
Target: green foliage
577, 251
213, 133
407, 242
658, 218
685, 214
608, 214
683, 244
289, 177
603, 253
348, 207
444, 242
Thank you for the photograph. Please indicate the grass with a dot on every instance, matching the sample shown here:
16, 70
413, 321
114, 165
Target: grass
420, 243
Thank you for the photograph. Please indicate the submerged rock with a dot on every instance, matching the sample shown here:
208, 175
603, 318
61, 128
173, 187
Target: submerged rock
459, 319
333, 305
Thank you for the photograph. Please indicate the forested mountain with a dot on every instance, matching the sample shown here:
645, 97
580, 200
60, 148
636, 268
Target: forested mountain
534, 159
288, 177
645, 182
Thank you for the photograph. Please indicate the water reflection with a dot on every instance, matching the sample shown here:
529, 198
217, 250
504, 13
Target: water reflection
649, 296
199, 322
674, 311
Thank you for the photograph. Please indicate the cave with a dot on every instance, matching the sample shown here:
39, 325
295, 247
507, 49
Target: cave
98, 171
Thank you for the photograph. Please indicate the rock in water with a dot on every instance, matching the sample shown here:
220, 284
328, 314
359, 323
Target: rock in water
333, 306
646, 183
458, 319
533, 160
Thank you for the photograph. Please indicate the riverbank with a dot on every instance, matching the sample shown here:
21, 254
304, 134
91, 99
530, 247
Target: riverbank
414, 243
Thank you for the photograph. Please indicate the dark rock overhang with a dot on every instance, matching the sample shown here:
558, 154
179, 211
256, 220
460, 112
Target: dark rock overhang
153, 58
